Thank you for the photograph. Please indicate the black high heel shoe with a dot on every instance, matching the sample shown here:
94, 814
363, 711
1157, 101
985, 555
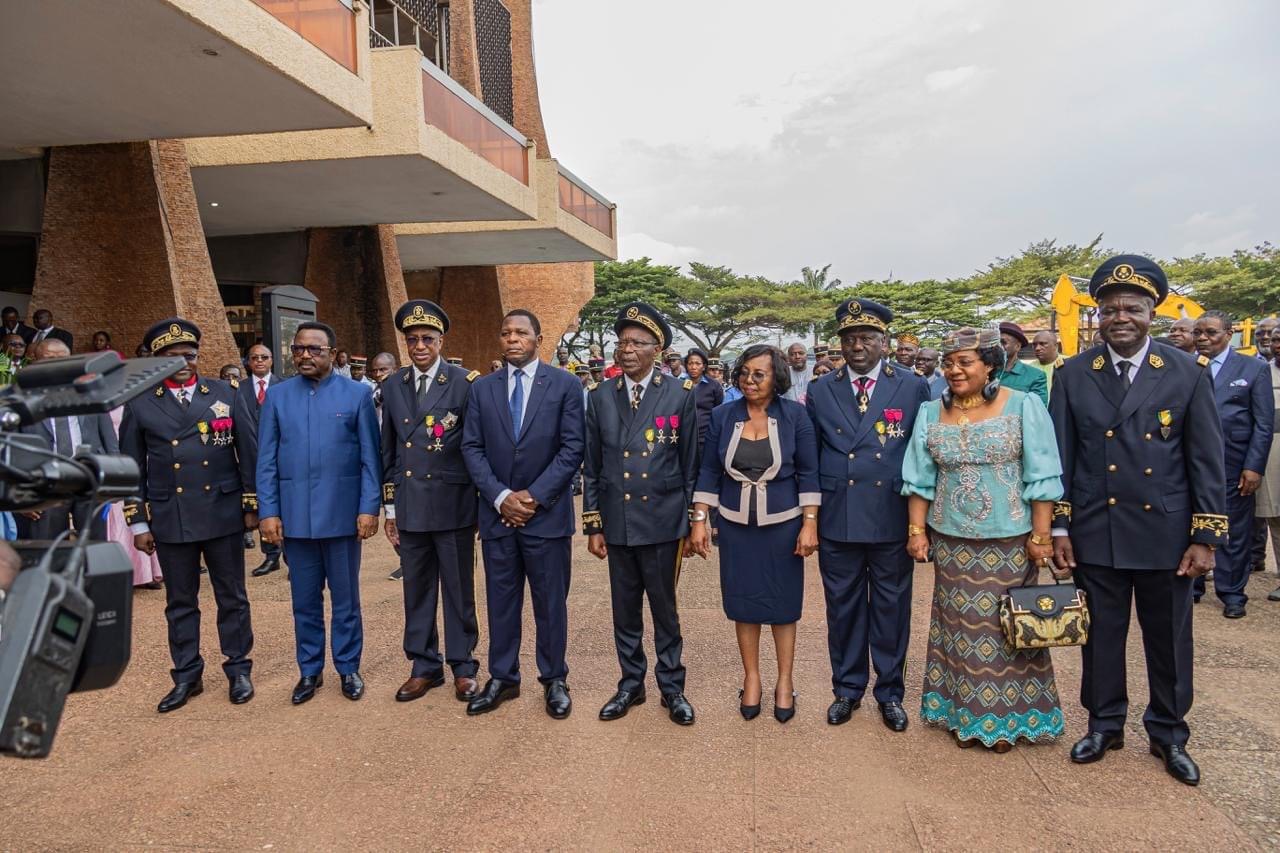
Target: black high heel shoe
749, 712
784, 714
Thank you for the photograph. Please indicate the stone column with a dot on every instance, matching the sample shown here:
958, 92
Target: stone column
355, 274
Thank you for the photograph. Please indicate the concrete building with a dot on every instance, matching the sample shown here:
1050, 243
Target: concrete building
176, 156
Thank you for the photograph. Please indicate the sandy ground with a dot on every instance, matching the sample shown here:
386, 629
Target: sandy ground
377, 774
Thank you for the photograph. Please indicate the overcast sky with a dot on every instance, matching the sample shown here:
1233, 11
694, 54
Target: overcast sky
919, 138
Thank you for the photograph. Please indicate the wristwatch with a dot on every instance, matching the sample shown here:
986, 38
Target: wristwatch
698, 515
915, 530
1037, 539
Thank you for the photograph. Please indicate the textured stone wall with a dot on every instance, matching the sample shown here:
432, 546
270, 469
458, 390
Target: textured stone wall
355, 275
122, 247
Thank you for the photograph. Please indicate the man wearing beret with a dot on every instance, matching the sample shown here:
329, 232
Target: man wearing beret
1143, 508
522, 443
864, 413
196, 449
1016, 375
431, 504
641, 464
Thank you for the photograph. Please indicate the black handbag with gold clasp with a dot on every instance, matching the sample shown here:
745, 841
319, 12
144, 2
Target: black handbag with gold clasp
1042, 616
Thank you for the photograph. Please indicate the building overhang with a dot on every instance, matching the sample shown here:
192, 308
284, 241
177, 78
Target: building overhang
567, 229
98, 72
433, 153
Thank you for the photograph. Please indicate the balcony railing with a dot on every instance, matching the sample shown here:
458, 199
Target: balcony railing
456, 112
577, 199
328, 24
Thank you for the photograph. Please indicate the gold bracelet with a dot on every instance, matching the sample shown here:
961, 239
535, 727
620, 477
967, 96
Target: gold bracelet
1037, 539
915, 530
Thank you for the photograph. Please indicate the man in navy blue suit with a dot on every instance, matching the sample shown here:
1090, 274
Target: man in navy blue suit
522, 441
863, 414
1242, 391
320, 474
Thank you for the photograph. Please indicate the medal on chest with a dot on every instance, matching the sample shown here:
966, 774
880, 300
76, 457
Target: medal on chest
219, 428
436, 429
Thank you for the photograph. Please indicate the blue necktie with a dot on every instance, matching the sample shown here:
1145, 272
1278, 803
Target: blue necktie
517, 403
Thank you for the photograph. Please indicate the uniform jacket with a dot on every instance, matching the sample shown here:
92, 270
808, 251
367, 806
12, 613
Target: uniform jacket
1142, 471
1242, 393
249, 391
197, 481
860, 475
423, 475
96, 432
545, 458
789, 483
319, 464
640, 466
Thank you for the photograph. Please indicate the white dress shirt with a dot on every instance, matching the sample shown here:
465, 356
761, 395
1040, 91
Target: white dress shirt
1215, 363
527, 381
873, 375
51, 426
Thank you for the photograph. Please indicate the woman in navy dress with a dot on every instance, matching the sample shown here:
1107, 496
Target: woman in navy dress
760, 467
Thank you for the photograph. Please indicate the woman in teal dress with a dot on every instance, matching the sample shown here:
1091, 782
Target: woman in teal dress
982, 474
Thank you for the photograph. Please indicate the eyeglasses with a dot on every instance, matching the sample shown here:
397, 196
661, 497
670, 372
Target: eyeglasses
425, 340
189, 356
756, 377
632, 343
259, 358
313, 350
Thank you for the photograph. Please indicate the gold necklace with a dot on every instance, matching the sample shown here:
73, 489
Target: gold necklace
965, 404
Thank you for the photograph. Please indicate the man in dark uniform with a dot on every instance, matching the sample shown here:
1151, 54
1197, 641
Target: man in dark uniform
430, 503
253, 392
641, 466
194, 444
863, 414
1143, 507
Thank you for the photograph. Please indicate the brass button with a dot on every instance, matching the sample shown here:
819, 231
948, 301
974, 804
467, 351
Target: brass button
1146, 507
174, 442
838, 430
877, 482
626, 454
177, 465
1147, 436
644, 453
208, 488
851, 482
428, 476
205, 463
626, 475
1111, 467
644, 497
877, 455
408, 473
644, 475
1147, 472
406, 420
850, 455
1110, 433
179, 490
1111, 501
408, 444
627, 496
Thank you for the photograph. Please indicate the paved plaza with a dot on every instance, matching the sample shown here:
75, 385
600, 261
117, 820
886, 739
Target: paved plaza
375, 774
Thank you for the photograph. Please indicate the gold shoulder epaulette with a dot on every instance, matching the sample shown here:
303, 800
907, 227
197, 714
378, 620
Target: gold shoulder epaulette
1099, 363
688, 383
473, 376
1202, 361
888, 370
235, 383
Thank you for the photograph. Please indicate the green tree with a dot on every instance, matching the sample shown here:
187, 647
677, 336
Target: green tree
617, 283
815, 281
1020, 286
926, 308
1246, 284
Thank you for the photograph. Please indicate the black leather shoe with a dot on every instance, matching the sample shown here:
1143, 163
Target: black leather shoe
1178, 764
622, 701
1195, 599
895, 719
1233, 611
1274, 595
495, 692
352, 686
841, 710
249, 544
241, 689
269, 565
782, 715
678, 708
178, 696
306, 688
558, 702
1094, 746
397, 575
748, 712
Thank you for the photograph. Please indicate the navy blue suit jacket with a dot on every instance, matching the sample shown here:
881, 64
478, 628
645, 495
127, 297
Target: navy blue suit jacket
319, 459
861, 476
1246, 408
545, 458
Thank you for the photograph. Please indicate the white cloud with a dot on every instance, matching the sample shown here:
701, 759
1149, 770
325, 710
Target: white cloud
637, 245
951, 78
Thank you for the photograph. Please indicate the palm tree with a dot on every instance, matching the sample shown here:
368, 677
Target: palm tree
816, 280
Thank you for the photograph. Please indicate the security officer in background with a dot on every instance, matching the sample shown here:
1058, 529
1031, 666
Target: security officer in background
640, 468
1143, 509
430, 503
194, 444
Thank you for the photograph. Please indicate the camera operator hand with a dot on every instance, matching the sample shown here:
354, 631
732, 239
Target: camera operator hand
10, 564
145, 542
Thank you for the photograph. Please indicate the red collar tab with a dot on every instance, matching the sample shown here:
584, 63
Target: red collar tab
169, 383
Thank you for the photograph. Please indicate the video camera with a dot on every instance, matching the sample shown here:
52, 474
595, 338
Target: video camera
65, 623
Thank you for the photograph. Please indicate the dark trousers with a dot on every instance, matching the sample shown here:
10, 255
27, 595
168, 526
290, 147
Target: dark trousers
868, 593
545, 563
54, 520
443, 560
1164, 613
1258, 553
314, 564
633, 573
1233, 560
180, 562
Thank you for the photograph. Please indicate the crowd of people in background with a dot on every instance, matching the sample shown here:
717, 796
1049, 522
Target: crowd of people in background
1139, 467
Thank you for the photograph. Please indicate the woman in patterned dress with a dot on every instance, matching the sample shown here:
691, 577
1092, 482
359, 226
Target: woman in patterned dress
982, 472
